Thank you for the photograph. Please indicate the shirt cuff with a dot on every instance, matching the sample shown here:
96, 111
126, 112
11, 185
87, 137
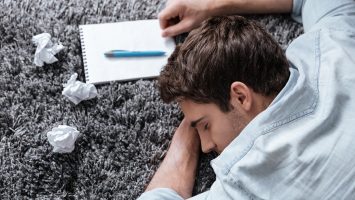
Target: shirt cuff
160, 194
297, 6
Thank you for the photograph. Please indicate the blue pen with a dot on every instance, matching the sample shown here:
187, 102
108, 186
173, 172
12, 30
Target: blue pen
125, 53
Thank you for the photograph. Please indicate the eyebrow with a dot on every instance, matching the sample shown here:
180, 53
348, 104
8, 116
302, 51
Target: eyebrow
194, 123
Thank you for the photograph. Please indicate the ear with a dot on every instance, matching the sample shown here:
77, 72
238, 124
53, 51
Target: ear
241, 96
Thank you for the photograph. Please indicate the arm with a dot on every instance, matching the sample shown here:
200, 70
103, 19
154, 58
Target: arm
178, 169
183, 15
312, 12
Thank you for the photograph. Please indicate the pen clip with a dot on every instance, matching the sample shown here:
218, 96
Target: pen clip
127, 53
119, 50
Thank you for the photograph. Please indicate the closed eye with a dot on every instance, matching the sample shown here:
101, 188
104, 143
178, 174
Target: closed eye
206, 126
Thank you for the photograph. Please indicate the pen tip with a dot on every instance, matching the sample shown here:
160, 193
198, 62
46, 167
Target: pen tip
108, 54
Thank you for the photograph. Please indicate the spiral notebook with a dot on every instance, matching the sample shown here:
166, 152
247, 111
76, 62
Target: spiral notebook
142, 35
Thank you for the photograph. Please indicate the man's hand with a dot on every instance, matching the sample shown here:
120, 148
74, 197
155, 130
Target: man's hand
178, 169
181, 16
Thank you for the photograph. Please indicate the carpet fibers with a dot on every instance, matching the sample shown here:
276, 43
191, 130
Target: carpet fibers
125, 131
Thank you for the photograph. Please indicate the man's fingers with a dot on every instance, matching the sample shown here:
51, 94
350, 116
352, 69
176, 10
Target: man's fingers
181, 27
168, 13
163, 22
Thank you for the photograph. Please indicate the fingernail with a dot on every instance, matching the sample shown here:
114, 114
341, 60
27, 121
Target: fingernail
163, 34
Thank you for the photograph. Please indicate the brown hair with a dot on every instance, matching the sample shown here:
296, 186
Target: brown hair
221, 51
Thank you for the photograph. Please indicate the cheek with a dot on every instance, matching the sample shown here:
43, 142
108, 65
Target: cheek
223, 135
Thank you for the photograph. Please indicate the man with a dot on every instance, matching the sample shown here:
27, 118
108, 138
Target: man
283, 130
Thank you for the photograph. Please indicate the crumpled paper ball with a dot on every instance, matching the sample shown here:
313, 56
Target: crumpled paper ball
77, 91
63, 138
45, 49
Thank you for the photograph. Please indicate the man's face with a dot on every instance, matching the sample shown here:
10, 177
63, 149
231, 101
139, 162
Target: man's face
215, 128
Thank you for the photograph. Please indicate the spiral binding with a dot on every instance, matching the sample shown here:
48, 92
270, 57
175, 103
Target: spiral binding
83, 51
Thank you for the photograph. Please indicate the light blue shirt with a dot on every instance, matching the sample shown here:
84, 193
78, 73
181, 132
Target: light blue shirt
303, 145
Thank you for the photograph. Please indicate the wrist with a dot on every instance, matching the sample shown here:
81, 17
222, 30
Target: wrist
183, 155
224, 7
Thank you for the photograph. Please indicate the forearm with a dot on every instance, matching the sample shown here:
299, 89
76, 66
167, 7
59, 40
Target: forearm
227, 7
178, 168
177, 173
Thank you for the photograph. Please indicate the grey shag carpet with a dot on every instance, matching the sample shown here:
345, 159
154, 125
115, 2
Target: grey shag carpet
125, 131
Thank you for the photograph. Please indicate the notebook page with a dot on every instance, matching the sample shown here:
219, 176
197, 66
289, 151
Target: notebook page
131, 35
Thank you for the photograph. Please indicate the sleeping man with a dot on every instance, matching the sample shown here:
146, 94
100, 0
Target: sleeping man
282, 124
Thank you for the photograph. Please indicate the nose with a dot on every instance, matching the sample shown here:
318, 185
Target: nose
207, 145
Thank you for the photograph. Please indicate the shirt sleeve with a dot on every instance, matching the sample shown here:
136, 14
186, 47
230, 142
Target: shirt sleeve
160, 194
217, 191
297, 10
224, 190
311, 12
